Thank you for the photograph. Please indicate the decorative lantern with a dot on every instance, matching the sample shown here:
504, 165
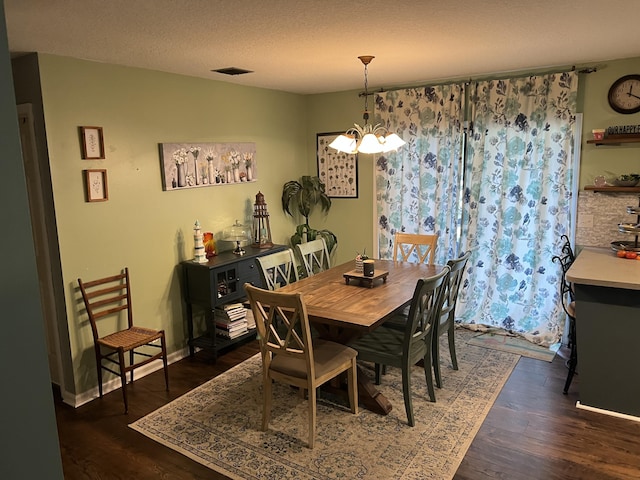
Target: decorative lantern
261, 227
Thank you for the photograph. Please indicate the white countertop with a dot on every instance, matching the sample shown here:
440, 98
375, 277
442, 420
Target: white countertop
601, 267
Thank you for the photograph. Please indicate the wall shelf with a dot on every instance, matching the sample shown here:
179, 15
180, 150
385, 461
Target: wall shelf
613, 188
616, 139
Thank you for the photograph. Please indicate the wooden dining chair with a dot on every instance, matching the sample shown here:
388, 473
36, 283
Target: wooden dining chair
446, 323
278, 269
109, 297
414, 247
314, 256
404, 348
292, 357
567, 298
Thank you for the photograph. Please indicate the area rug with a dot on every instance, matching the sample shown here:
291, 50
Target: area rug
218, 424
514, 344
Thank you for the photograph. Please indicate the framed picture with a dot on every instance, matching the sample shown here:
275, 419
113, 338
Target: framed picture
92, 143
96, 185
195, 165
337, 170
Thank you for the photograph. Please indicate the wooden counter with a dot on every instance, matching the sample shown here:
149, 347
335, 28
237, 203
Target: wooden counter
607, 292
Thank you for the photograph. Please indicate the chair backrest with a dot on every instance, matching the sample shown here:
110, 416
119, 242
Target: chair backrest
421, 247
314, 256
107, 297
283, 325
457, 267
566, 288
424, 313
278, 269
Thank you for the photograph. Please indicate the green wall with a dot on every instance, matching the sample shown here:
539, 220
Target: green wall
141, 226
606, 160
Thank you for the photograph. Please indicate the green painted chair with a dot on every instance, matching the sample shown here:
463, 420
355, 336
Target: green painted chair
447, 316
404, 348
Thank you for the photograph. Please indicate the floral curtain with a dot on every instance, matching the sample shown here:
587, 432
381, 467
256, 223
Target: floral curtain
516, 203
418, 187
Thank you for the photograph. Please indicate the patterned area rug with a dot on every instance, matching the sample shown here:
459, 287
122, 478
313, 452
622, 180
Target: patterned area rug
514, 344
218, 424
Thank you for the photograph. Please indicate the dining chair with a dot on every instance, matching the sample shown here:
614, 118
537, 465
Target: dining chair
107, 298
404, 348
314, 256
278, 269
446, 323
292, 356
569, 306
408, 247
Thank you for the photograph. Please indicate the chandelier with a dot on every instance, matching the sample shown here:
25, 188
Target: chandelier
368, 138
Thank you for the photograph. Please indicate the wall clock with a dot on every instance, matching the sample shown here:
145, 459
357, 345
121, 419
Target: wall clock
624, 94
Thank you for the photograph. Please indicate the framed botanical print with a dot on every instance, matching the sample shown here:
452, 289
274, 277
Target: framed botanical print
92, 143
337, 170
96, 185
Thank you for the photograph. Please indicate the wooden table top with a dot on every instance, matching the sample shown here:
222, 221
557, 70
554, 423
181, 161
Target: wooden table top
332, 302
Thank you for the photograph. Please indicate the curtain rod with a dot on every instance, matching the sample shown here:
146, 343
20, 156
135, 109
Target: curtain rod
572, 68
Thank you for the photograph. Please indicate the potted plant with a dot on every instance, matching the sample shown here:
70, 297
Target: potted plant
305, 195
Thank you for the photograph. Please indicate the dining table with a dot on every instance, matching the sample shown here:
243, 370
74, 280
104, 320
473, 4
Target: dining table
343, 305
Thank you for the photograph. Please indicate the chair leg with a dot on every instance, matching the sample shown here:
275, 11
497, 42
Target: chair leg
406, 392
428, 377
378, 370
99, 365
352, 379
164, 361
435, 359
312, 417
452, 346
131, 360
123, 379
266, 402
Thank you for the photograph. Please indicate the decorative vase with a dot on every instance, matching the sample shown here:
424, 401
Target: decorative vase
359, 268
236, 174
182, 176
249, 174
228, 176
211, 171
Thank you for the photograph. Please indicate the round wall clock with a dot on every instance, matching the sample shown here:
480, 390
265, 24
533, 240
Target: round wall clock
624, 94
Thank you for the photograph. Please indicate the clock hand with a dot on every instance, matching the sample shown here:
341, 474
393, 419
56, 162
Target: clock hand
632, 95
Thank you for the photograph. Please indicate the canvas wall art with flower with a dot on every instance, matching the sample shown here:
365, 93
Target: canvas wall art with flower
192, 165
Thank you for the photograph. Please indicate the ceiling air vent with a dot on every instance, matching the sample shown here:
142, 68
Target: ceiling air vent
232, 71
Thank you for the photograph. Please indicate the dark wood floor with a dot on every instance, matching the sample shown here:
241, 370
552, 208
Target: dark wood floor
533, 431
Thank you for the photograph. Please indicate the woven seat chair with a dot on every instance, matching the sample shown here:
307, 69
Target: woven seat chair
107, 298
292, 357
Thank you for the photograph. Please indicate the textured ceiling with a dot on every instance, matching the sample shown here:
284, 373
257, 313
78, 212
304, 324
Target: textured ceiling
306, 46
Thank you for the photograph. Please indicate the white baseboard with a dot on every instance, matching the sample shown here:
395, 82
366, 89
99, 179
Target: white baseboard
114, 384
607, 412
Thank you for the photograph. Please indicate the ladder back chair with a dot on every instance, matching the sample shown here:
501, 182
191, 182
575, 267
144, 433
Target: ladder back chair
569, 306
292, 357
413, 245
404, 348
278, 269
447, 324
109, 297
314, 256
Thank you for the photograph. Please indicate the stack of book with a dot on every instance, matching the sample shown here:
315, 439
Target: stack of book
231, 320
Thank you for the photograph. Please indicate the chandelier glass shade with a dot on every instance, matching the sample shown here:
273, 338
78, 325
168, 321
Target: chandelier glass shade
367, 138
